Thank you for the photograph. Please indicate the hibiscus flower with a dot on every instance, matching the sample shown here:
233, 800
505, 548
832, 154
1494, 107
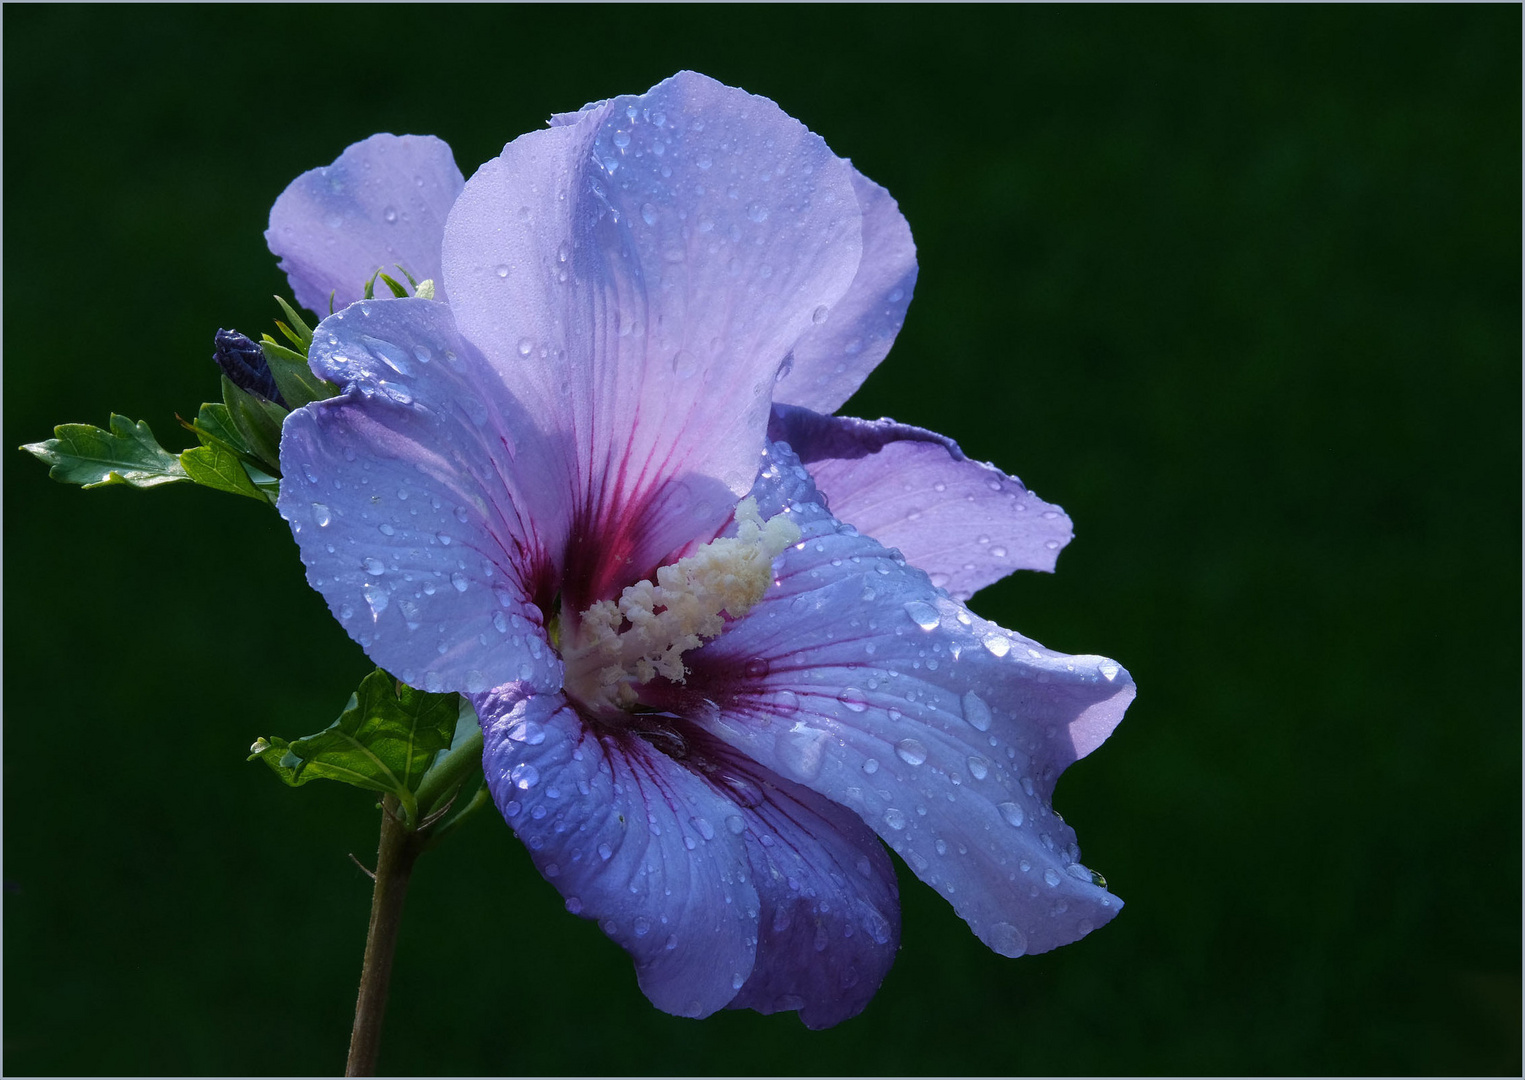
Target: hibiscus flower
716, 637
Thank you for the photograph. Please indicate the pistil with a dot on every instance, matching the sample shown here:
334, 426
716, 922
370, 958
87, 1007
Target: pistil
620, 645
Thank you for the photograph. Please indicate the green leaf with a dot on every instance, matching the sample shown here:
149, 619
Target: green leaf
303, 333
216, 466
398, 290
298, 385
257, 421
93, 457
385, 740
214, 423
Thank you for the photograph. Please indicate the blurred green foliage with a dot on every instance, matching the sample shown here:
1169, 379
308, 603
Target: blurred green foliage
1238, 287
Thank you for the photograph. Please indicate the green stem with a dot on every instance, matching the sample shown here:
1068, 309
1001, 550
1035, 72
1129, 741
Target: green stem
395, 856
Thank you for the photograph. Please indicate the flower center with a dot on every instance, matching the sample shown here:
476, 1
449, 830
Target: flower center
619, 645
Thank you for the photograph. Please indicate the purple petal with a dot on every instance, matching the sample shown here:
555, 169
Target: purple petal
944, 732
854, 334
965, 523
382, 204
425, 504
829, 924
633, 840
639, 275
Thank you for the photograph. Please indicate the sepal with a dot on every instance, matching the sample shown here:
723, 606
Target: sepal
298, 385
257, 423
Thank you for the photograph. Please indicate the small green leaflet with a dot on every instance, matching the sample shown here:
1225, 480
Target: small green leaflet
92, 457
385, 740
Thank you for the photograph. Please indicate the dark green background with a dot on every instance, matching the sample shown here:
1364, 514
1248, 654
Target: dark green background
1240, 288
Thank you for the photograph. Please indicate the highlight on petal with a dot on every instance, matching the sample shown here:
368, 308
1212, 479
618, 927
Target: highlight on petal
967, 524
850, 337
381, 204
427, 505
945, 733
639, 275
633, 840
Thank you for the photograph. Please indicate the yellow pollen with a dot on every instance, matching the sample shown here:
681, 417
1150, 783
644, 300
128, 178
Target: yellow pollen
623, 643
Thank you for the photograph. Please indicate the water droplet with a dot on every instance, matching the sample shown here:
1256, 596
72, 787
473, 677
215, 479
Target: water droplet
785, 702
998, 551
375, 567
526, 346
389, 215
757, 212
605, 852
736, 825
976, 711
979, 768
641, 926
574, 905
1052, 545
459, 581
923, 614
745, 792
622, 139
321, 515
997, 644
1012, 813
1007, 940
853, 698
910, 751
386, 529
871, 766
524, 776
894, 819
1051, 876
462, 514
818, 316
684, 364
649, 214
784, 369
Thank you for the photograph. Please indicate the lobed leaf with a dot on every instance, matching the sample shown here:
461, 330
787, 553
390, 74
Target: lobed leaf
93, 457
385, 740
